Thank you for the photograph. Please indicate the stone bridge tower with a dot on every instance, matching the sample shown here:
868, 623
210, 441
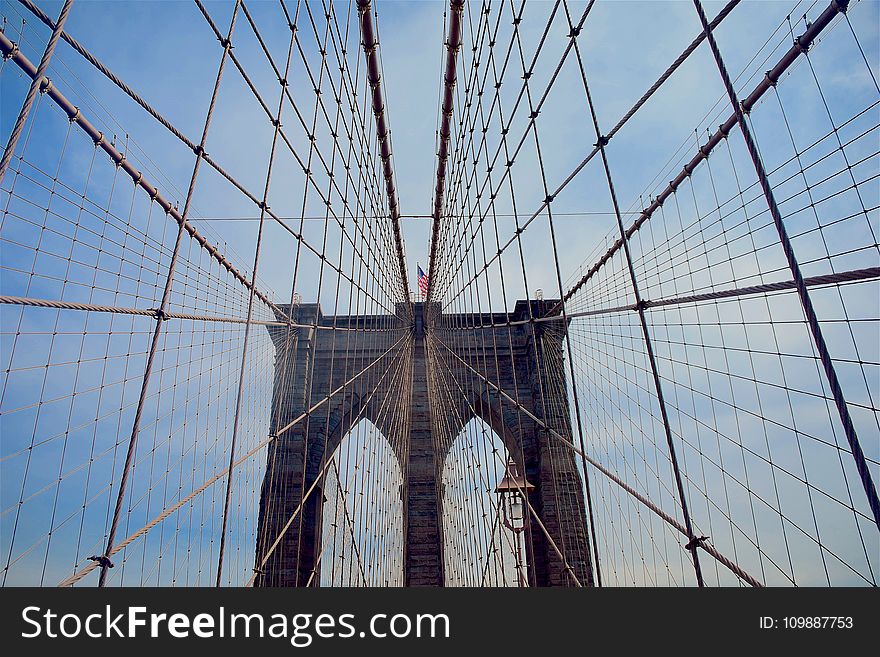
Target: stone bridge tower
311, 363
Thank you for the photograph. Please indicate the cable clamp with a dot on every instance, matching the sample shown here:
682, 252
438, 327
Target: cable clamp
46, 85
75, 117
602, 142
159, 314
695, 542
13, 51
102, 560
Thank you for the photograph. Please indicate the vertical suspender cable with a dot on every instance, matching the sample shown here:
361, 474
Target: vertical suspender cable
161, 313
801, 287
36, 85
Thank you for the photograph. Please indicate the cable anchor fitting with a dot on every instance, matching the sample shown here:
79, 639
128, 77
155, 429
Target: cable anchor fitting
695, 542
13, 51
102, 560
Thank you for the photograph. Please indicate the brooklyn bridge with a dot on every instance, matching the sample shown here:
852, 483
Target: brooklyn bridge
486, 293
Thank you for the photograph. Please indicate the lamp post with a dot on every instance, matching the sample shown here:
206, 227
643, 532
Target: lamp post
512, 493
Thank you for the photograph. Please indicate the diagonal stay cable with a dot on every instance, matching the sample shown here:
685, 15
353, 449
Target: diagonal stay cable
36, 86
73, 579
733, 567
523, 493
307, 493
9, 49
802, 43
803, 294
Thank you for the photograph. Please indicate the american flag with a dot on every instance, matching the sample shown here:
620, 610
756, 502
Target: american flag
423, 282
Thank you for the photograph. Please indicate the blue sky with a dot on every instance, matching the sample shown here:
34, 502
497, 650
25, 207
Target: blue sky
166, 57
169, 56
167, 53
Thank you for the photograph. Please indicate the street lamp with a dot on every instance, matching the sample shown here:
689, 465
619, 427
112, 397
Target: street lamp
510, 492
512, 496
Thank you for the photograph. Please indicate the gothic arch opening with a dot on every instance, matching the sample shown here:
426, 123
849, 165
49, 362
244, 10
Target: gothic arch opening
362, 512
478, 549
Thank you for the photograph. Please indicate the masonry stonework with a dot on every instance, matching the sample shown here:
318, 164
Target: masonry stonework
524, 359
